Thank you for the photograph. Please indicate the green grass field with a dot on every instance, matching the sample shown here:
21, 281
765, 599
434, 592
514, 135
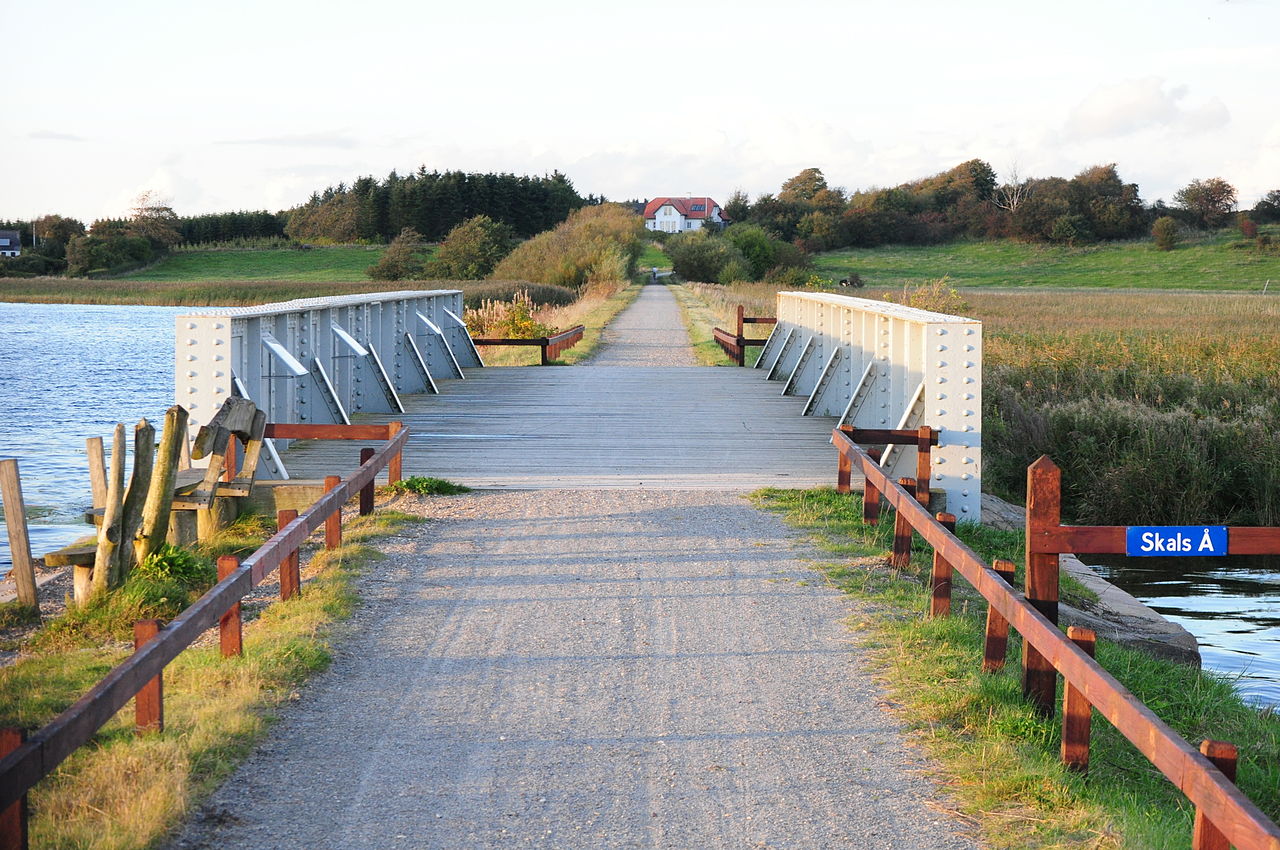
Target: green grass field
1205, 261
319, 264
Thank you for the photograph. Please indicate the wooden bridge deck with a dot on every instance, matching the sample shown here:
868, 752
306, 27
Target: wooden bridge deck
603, 427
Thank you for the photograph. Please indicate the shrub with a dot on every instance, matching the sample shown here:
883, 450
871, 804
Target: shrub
1248, 229
401, 260
700, 256
735, 271
1165, 232
471, 250
788, 277
592, 242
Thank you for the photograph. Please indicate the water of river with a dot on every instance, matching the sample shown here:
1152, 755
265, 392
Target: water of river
68, 372
1231, 605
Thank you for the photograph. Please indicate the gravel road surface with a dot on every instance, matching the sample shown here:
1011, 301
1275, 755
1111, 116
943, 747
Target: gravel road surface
647, 333
566, 670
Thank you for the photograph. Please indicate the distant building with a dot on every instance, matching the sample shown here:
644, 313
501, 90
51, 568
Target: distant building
10, 243
673, 215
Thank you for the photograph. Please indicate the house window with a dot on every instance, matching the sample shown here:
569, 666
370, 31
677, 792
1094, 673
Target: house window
5, 241
699, 208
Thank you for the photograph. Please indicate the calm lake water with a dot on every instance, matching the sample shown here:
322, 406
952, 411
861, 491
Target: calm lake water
68, 372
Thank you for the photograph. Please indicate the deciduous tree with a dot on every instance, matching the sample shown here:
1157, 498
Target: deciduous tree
1208, 202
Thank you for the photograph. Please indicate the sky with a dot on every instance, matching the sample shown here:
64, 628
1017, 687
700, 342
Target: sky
253, 105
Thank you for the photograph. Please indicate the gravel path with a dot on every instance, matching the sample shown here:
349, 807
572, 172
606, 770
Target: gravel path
614, 669
629, 669
648, 333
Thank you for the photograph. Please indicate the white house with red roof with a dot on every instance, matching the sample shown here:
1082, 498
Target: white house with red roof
673, 215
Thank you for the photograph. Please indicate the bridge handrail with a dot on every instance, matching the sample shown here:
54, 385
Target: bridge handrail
552, 346
876, 364
1216, 797
43, 751
321, 360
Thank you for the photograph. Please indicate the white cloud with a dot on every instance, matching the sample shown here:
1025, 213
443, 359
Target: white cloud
1133, 106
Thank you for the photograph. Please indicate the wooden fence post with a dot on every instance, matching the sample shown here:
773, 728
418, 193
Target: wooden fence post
901, 558
13, 820
844, 472
148, 705
1206, 836
924, 455
290, 580
742, 340
395, 466
996, 640
230, 629
15, 518
940, 581
1077, 712
333, 522
1044, 512
366, 492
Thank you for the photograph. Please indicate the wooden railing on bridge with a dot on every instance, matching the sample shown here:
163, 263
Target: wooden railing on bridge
552, 346
735, 344
27, 760
1224, 815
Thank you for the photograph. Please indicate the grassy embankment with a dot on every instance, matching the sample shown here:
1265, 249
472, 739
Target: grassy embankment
1207, 261
1131, 392
998, 759
124, 791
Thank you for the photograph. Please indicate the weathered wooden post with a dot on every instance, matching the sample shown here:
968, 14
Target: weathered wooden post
1044, 512
940, 580
15, 518
144, 457
1077, 712
87, 583
154, 523
97, 471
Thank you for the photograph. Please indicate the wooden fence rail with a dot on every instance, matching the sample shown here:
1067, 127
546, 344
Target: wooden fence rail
32, 760
735, 344
1224, 813
552, 346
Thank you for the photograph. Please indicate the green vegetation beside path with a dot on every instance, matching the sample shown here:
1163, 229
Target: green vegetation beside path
999, 760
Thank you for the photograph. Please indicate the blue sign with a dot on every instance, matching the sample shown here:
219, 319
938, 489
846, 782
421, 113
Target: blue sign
1175, 540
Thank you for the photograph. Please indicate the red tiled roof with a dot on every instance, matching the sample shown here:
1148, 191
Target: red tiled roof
684, 206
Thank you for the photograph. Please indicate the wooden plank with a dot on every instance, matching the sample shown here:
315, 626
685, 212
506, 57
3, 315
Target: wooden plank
72, 555
710, 428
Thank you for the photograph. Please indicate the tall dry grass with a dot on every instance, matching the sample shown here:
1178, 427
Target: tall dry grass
1159, 406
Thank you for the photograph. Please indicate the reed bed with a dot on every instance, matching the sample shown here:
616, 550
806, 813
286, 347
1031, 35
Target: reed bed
1156, 404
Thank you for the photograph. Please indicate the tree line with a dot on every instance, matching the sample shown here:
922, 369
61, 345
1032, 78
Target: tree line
970, 201
432, 203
